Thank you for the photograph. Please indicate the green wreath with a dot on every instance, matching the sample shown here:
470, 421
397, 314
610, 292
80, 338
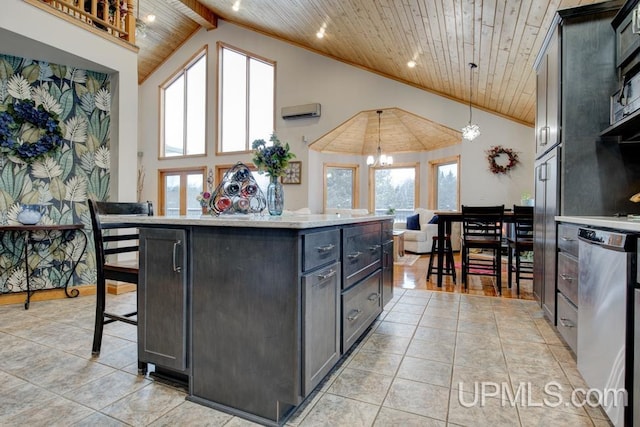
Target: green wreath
19, 117
496, 152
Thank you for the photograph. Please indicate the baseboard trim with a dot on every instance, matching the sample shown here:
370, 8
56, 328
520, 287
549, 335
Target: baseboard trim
44, 295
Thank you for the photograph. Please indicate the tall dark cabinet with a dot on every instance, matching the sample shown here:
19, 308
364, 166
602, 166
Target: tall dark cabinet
575, 168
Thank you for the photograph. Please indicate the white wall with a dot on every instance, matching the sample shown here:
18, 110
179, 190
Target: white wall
29, 32
343, 90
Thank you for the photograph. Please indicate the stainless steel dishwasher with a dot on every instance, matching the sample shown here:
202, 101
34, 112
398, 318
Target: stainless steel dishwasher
607, 273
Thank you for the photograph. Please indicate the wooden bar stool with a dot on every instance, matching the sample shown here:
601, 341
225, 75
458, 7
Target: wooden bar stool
449, 268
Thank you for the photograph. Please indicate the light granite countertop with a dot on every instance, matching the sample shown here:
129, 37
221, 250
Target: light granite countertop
623, 223
293, 221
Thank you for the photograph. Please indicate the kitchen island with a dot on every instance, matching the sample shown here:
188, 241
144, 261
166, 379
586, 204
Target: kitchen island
255, 310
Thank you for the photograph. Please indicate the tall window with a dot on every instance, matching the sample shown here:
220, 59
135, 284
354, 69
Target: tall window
445, 188
179, 189
395, 189
246, 100
340, 186
183, 110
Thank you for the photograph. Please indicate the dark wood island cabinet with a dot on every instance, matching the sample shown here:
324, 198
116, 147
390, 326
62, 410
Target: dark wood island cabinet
256, 311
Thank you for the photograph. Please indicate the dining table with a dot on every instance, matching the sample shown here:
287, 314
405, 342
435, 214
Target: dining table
445, 219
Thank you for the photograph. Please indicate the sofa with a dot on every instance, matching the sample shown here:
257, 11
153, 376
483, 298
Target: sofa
420, 241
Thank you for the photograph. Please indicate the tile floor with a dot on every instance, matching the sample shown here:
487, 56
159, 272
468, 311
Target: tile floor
416, 367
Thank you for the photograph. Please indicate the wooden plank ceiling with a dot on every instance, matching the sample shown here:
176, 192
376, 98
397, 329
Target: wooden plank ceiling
442, 36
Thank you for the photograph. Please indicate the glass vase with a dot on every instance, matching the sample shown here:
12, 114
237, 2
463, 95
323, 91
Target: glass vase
275, 196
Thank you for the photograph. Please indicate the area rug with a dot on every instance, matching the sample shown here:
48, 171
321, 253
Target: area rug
407, 259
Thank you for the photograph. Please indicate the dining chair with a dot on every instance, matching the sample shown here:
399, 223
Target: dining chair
482, 230
110, 240
521, 242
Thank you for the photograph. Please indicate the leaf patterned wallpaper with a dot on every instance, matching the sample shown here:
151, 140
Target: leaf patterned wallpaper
64, 180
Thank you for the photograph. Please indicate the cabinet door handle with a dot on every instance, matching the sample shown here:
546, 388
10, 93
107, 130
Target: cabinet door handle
567, 239
567, 277
544, 135
542, 172
325, 276
374, 297
354, 314
634, 22
176, 267
326, 248
354, 255
567, 323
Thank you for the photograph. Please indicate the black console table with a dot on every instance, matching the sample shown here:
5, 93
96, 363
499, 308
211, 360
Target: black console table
40, 246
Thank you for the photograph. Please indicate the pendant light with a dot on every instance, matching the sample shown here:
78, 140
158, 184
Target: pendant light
380, 159
141, 26
470, 131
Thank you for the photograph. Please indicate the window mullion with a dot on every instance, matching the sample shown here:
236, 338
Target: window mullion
247, 106
184, 115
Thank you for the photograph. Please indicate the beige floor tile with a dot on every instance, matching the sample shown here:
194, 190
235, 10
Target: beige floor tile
468, 378
408, 308
549, 417
375, 361
192, 414
426, 371
477, 328
418, 398
397, 329
405, 318
386, 343
360, 385
392, 417
435, 335
469, 409
414, 300
56, 412
98, 420
439, 322
332, 410
107, 389
145, 405
440, 352
528, 353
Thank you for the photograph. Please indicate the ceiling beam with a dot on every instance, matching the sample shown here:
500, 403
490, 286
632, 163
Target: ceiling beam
197, 12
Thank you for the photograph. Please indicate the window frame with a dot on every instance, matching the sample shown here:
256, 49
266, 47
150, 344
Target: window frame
219, 101
182, 172
433, 180
372, 187
182, 71
355, 184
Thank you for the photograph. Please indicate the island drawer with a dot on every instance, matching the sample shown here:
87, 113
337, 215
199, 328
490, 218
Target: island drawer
568, 322
360, 306
361, 252
568, 276
568, 238
321, 247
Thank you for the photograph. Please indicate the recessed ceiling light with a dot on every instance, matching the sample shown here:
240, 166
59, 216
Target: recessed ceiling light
320, 34
151, 17
411, 64
236, 6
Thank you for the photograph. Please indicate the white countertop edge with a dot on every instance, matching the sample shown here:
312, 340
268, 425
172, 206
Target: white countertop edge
617, 223
294, 221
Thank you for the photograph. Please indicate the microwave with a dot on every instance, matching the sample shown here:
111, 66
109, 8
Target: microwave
626, 101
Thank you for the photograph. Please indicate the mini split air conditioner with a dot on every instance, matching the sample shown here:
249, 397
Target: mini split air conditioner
301, 111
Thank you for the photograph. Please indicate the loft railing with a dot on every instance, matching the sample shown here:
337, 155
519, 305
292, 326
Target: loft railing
114, 17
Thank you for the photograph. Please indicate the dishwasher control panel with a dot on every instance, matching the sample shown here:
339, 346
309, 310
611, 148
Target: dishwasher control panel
613, 240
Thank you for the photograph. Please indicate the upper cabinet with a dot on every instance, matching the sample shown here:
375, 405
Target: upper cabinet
548, 90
